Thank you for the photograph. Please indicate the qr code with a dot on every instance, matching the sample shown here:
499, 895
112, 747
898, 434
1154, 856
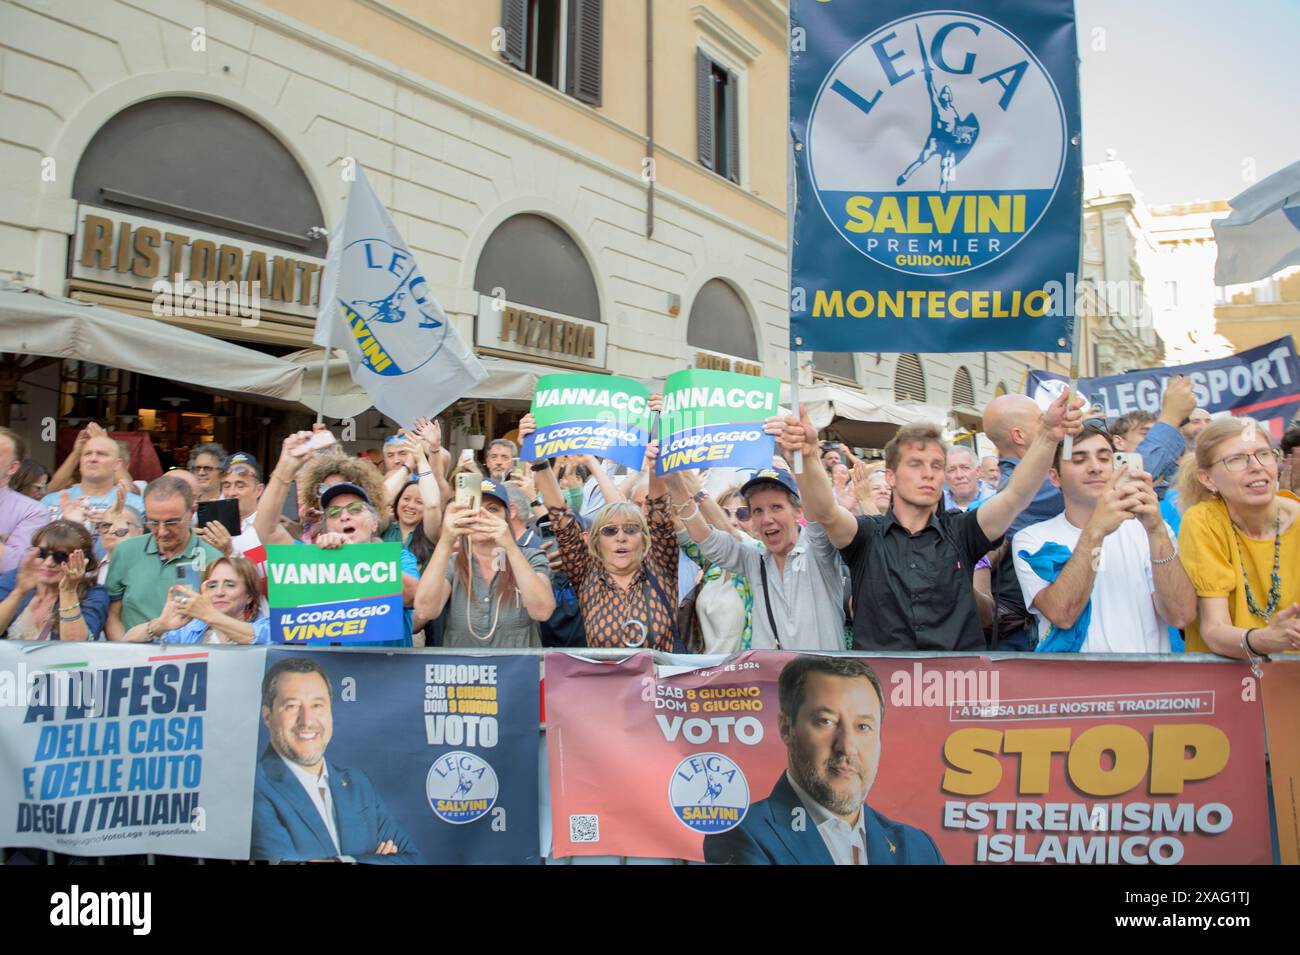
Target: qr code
584, 828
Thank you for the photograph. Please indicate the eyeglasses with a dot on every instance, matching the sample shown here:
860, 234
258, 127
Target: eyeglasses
167, 525
104, 529
611, 530
242, 469
1238, 462
202, 468
356, 507
741, 513
60, 556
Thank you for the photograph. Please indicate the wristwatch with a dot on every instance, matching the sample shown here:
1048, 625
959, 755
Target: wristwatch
542, 465
700, 496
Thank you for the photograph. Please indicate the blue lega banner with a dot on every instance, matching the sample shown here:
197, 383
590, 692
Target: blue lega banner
937, 175
1261, 383
429, 758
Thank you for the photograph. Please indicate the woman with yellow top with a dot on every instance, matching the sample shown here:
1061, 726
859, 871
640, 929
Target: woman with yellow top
1240, 544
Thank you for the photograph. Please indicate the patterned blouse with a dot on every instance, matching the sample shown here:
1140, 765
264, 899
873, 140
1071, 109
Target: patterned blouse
606, 607
739, 583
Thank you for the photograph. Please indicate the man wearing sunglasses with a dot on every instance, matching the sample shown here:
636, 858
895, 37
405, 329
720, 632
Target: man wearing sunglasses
144, 569
206, 464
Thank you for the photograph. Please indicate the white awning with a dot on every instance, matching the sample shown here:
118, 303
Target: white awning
507, 380
858, 419
34, 323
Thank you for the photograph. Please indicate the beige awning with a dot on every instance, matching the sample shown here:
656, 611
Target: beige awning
35, 323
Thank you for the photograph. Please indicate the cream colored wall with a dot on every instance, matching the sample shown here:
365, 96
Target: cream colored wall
450, 43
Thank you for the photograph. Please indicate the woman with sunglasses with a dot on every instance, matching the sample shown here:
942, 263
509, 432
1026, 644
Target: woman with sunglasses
1240, 543
52, 594
316, 472
625, 572
350, 516
226, 609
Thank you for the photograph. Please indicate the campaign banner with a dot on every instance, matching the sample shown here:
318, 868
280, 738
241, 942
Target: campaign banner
602, 415
426, 758
971, 761
115, 749
937, 176
1262, 382
1281, 688
343, 596
714, 419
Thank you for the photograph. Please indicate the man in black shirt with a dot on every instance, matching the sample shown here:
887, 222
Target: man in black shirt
912, 567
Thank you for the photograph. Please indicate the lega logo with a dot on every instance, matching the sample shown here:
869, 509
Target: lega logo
936, 143
709, 793
393, 315
461, 788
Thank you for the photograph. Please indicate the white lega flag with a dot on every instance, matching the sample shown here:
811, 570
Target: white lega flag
377, 307
1262, 236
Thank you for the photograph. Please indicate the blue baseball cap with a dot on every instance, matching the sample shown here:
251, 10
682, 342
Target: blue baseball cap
769, 476
244, 459
343, 487
496, 489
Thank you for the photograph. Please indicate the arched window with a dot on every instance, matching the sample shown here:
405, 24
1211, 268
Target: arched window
720, 322
838, 364
535, 262
195, 162
963, 389
909, 378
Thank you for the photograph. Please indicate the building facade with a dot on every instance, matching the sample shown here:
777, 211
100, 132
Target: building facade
614, 172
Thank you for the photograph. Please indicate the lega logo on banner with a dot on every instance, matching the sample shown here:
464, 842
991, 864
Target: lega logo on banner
461, 788
936, 143
397, 324
709, 793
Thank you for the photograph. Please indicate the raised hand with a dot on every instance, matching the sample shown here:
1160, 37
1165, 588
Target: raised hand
1064, 415
215, 533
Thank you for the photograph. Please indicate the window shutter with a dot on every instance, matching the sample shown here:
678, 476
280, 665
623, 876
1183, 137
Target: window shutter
732, 171
585, 41
704, 107
514, 20
909, 379
963, 389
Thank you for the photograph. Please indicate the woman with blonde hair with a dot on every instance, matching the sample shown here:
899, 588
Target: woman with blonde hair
626, 569
1240, 543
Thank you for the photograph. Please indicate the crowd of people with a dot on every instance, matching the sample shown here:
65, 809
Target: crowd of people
1153, 533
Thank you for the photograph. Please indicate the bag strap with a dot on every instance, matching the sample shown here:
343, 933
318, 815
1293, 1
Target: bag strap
678, 645
767, 602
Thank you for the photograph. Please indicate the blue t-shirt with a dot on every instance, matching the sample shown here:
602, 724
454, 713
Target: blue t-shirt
106, 500
196, 631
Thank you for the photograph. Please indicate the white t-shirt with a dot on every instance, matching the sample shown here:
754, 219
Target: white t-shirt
1124, 618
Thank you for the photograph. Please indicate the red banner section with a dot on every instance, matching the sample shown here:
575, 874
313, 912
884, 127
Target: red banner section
1282, 713
980, 761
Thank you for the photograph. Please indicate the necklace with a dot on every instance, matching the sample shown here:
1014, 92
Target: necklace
469, 621
632, 623
1275, 584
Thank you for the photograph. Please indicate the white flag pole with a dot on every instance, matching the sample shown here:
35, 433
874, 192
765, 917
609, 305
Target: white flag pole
324, 378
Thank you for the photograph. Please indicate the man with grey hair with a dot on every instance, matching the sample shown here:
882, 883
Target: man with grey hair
144, 569
962, 490
205, 464
499, 458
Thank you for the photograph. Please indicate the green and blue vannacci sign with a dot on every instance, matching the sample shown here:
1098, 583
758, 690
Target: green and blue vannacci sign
349, 595
604, 415
714, 419
937, 174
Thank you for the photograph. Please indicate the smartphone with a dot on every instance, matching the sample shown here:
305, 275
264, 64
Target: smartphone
469, 490
1130, 458
318, 442
517, 467
544, 528
224, 512
467, 456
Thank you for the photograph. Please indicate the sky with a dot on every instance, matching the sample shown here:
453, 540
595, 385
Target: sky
1191, 94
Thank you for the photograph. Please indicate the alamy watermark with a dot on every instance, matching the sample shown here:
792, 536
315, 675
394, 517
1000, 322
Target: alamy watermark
178, 296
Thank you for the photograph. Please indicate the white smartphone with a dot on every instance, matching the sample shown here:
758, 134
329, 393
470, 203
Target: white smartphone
319, 441
1132, 459
469, 490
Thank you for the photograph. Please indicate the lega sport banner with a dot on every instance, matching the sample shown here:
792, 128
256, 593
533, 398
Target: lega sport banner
351, 595
115, 749
714, 419
1261, 382
602, 415
937, 174
432, 756
979, 761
